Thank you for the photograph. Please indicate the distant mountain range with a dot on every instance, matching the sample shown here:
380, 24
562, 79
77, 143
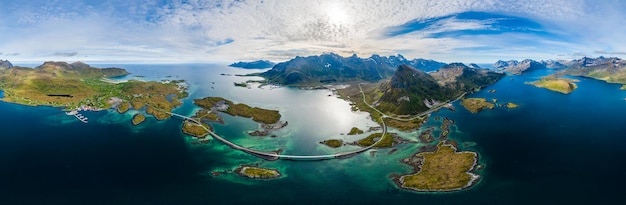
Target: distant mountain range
610, 69
260, 64
328, 68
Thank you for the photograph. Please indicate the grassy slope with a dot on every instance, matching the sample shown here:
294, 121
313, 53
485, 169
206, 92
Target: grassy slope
257, 114
444, 169
476, 105
561, 85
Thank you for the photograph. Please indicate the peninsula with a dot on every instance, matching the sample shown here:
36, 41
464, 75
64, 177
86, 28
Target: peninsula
78, 85
562, 85
445, 169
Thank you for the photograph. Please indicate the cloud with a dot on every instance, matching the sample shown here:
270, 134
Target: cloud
610, 53
65, 54
451, 30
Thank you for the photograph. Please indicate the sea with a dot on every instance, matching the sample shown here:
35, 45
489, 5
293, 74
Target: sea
553, 149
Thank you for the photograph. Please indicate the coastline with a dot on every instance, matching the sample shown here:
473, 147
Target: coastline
474, 178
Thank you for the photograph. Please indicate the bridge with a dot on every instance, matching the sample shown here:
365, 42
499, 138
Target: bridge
276, 156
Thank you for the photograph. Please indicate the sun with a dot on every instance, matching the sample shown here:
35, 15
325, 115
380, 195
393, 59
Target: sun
337, 15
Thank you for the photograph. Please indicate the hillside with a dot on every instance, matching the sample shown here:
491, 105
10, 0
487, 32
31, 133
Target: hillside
411, 91
612, 70
330, 68
407, 90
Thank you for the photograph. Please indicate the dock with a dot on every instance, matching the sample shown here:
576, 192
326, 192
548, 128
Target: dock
77, 115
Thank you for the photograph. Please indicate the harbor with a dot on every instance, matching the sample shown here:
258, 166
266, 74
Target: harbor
79, 116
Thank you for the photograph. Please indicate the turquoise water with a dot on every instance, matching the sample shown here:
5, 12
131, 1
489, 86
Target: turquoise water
554, 149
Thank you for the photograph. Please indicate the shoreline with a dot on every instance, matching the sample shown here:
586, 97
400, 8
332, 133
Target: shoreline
474, 178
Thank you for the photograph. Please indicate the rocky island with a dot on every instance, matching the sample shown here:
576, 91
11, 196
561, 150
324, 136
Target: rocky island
334, 143
562, 85
257, 173
137, 119
475, 105
445, 169
511, 105
355, 131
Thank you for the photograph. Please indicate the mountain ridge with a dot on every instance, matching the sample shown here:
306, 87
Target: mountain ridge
330, 67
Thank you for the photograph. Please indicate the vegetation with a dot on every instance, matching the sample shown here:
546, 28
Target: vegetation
511, 105
623, 87
612, 70
355, 131
476, 105
562, 85
138, 119
257, 114
257, 173
404, 125
385, 142
73, 85
334, 143
442, 170
194, 130
123, 107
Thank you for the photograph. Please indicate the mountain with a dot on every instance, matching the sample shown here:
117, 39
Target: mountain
407, 89
473, 65
330, 67
5, 64
461, 78
410, 90
517, 67
78, 70
612, 70
555, 64
260, 64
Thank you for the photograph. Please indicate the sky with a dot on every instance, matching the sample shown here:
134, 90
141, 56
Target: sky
195, 31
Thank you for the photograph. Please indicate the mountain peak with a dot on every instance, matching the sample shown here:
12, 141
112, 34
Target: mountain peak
5, 64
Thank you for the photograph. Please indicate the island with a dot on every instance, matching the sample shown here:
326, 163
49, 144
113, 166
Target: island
511, 105
220, 104
334, 143
137, 119
475, 105
445, 169
562, 85
259, 64
257, 173
79, 87
385, 142
355, 131
195, 130
244, 85
623, 87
